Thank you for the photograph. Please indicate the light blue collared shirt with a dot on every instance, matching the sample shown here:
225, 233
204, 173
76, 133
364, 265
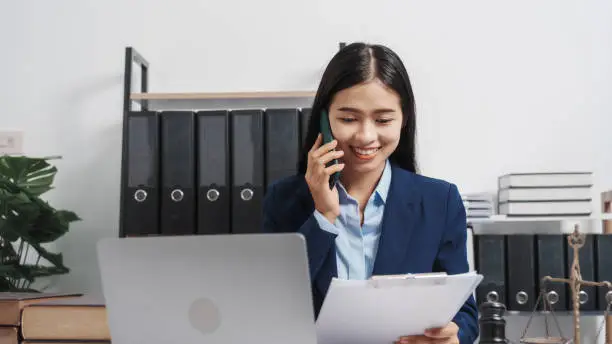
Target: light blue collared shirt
356, 245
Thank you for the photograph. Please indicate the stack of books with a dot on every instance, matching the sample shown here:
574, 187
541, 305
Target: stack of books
11, 307
28, 318
478, 205
545, 194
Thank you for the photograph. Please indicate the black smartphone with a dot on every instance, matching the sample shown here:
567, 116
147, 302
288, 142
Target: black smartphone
328, 137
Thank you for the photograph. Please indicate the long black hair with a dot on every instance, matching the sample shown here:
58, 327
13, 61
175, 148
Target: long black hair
355, 64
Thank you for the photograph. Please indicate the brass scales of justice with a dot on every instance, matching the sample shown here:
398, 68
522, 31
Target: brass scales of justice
576, 241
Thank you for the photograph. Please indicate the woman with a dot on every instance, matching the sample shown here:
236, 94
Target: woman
380, 217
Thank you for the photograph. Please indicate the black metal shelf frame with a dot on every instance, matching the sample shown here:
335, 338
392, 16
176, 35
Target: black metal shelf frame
131, 56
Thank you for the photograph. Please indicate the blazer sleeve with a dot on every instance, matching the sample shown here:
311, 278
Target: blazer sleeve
452, 258
279, 216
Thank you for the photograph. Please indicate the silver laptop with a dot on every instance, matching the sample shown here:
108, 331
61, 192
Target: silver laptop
244, 288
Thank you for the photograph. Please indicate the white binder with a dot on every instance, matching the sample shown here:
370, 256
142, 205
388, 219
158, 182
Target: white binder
381, 310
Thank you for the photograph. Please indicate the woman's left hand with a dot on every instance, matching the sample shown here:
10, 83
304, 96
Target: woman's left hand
443, 335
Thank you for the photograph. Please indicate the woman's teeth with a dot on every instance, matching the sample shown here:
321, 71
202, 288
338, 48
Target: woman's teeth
365, 152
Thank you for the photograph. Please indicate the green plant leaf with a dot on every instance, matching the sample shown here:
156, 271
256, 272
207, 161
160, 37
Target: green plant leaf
38, 186
21, 206
41, 171
67, 216
34, 174
25, 217
51, 225
8, 231
14, 167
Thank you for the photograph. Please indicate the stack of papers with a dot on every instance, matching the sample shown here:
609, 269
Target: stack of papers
381, 310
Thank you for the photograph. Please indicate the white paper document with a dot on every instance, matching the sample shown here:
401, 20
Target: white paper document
381, 310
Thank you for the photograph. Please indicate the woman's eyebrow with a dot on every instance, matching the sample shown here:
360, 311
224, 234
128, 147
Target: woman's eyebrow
355, 110
349, 109
383, 111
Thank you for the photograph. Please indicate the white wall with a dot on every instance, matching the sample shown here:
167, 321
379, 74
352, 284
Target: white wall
493, 81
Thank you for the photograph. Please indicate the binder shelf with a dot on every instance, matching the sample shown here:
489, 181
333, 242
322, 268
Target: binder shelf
515, 256
200, 163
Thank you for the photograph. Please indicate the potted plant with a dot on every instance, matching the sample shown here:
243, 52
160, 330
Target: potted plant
27, 223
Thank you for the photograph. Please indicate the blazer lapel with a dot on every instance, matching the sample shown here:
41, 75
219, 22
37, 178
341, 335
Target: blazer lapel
320, 246
328, 270
402, 211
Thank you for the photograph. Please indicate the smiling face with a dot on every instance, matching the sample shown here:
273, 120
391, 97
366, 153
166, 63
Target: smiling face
366, 119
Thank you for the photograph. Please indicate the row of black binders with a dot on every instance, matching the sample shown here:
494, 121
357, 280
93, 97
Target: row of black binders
204, 172
513, 266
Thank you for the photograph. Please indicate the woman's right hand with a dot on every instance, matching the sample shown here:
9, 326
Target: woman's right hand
317, 177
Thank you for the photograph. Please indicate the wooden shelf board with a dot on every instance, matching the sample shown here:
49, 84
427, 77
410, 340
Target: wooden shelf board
222, 95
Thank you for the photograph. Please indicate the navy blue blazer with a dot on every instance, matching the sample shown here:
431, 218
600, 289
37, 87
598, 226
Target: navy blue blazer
423, 230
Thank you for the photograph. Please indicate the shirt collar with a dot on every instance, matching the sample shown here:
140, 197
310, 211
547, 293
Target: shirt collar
382, 189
